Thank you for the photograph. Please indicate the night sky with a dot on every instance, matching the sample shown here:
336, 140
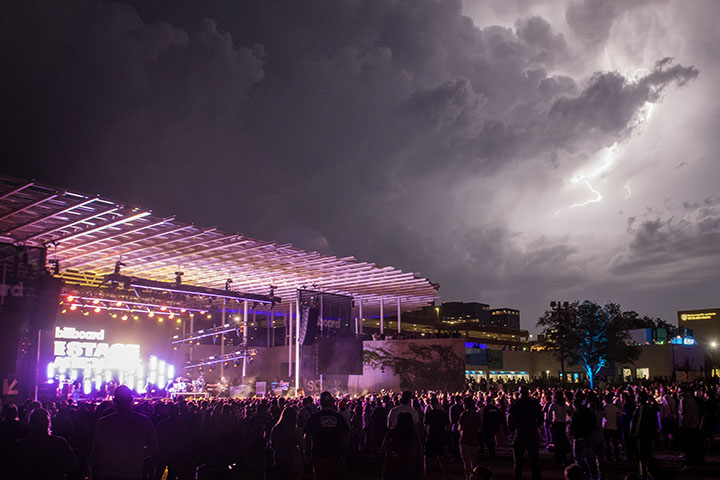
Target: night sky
514, 151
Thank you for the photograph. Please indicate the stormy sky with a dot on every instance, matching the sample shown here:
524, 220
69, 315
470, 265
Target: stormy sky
514, 151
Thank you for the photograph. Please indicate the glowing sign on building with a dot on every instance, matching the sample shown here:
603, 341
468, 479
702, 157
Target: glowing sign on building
688, 316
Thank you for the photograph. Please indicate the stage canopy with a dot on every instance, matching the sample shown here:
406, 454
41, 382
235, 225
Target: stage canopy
88, 234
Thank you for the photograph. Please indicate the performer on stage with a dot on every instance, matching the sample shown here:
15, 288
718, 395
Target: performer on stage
199, 384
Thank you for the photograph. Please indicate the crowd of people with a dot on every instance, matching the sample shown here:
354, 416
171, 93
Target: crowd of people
411, 433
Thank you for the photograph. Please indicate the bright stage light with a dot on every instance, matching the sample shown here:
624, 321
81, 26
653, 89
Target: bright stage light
97, 309
151, 314
51, 370
87, 387
73, 307
95, 302
171, 371
73, 375
70, 298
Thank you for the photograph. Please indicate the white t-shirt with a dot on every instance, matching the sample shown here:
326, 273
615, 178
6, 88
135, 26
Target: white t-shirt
557, 413
610, 413
396, 411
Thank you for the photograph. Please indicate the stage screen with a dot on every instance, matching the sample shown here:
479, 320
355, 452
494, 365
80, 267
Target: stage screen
340, 355
92, 349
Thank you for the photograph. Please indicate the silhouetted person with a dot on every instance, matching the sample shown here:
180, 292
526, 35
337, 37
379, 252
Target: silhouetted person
174, 443
326, 433
40, 455
644, 428
491, 425
10, 427
582, 427
286, 441
122, 440
524, 418
469, 424
402, 451
689, 419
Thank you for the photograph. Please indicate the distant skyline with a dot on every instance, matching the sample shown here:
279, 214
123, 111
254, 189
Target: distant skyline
513, 151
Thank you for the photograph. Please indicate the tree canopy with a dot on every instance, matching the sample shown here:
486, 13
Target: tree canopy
590, 335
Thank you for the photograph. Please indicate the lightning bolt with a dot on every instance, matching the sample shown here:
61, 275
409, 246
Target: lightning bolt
627, 189
597, 198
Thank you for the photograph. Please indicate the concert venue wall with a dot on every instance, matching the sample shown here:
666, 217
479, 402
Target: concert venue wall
411, 364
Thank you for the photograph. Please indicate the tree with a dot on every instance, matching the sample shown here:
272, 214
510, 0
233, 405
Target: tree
645, 321
420, 367
589, 335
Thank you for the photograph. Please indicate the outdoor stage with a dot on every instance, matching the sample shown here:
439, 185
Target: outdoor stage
116, 271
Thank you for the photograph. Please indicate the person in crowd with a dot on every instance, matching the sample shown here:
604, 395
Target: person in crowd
469, 423
326, 434
491, 425
582, 426
122, 441
356, 429
708, 416
287, 445
611, 415
454, 412
40, 455
404, 407
628, 410
557, 417
267, 429
257, 426
524, 419
668, 409
689, 423
644, 428
379, 422
308, 408
174, 446
437, 424
402, 451
573, 472
10, 427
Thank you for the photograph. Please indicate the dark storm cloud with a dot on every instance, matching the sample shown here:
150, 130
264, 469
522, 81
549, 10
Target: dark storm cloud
349, 127
610, 102
681, 243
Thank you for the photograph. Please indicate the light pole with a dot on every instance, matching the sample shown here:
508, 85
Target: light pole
559, 308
